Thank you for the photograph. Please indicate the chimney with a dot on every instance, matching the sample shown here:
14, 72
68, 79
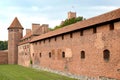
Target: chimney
28, 31
71, 15
45, 28
34, 28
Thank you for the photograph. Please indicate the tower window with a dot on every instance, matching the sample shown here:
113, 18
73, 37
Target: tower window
63, 54
50, 55
33, 54
82, 54
111, 26
106, 55
11, 30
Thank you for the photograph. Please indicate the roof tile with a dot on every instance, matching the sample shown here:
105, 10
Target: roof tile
15, 24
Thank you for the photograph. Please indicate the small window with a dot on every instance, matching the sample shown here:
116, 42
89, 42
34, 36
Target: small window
111, 26
35, 43
71, 35
94, 30
63, 54
40, 55
55, 38
106, 55
49, 39
81, 33
50, 54
44, 40
33, 54
39, 42
11, 30
82, 54
62, 37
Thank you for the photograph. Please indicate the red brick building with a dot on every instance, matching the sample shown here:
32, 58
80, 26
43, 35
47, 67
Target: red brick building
87, 48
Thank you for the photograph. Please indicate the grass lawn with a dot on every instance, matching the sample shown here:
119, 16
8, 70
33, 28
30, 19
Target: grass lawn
16, 72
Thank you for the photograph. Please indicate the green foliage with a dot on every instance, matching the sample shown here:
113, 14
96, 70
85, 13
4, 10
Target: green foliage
68, 22
3, 45
16, 72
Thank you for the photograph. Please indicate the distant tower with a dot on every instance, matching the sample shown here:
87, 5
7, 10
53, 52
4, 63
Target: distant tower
15, 33
71, 15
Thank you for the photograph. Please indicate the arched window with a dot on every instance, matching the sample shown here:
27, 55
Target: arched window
82, 54
50, 54
106, 55
63, 54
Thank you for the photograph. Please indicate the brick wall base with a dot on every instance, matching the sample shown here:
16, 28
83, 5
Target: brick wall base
79, 77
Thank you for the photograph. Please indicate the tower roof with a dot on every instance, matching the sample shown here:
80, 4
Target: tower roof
15, 24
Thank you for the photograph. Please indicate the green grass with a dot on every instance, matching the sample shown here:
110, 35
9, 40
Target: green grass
16, 72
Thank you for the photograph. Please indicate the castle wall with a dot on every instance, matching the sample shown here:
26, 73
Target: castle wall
24, 56
3, 57
49, 53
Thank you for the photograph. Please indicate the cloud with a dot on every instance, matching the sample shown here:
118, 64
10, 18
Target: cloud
48, 12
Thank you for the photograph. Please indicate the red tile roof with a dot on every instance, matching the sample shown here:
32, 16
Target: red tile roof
28, 35
15, 24
113, 15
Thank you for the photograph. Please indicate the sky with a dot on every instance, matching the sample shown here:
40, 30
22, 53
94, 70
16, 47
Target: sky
50, 12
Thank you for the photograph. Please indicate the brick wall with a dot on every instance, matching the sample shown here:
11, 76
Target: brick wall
48, 53
3, 57
93, 44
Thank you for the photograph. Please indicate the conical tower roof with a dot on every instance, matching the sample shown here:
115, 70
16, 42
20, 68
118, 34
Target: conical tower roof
15, 24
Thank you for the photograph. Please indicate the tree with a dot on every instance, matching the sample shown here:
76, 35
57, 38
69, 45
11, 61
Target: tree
68, 22
3, 45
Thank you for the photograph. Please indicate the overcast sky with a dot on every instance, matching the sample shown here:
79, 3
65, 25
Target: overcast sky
50, 12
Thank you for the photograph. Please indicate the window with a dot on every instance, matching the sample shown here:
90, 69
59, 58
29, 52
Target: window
71, 35
55, 38
111, 26
94, 30
49, 39
39, 42
44, 40
40, 55
63, 54
50, 55
62, 37
11, 29
82, 54
33, 54
35, 43
81, 33
106, 55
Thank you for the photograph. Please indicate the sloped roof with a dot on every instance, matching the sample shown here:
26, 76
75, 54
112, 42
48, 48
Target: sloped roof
113, 15
27, 35
15, 24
